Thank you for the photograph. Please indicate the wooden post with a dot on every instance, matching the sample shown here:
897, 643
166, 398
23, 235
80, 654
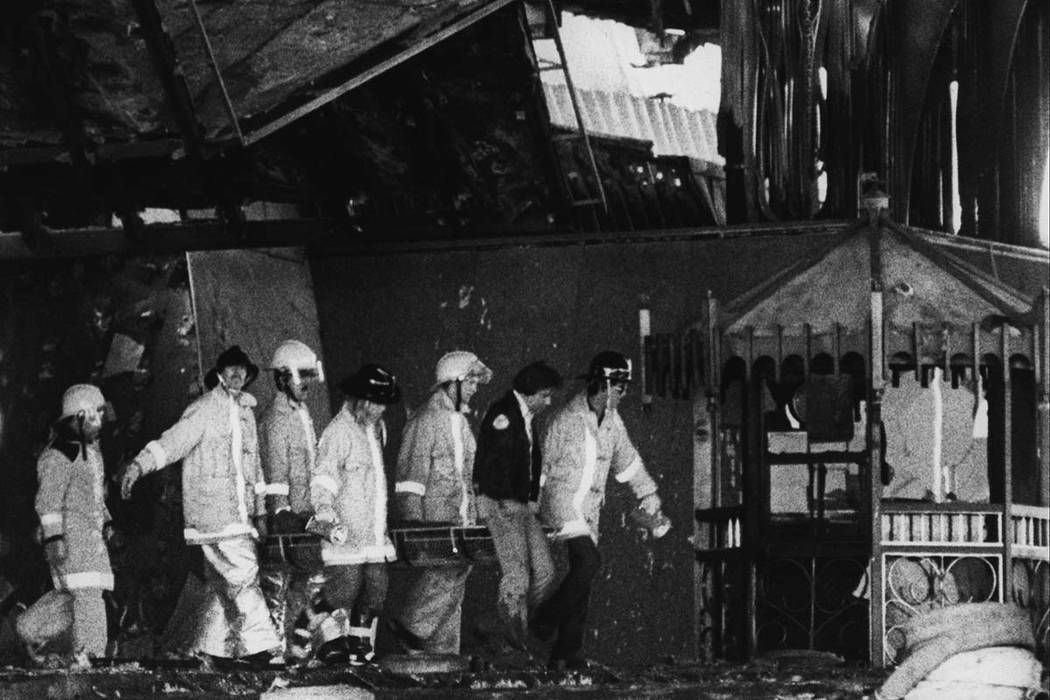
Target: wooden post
714, 385
643, 334
1042, 328
1008, 464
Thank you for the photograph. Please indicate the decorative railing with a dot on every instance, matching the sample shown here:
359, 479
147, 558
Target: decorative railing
934, 555
956, 524
1030, 529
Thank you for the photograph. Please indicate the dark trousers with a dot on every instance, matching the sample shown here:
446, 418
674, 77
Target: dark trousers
360, 589
566, 610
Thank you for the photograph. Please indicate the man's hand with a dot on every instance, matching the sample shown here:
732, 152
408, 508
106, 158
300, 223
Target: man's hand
55, 550
259, 521
651, 504
131, 473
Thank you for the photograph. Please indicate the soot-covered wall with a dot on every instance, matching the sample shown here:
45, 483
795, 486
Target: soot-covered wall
563, 303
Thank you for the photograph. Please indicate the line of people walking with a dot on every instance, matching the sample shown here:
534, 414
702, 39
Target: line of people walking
317, 509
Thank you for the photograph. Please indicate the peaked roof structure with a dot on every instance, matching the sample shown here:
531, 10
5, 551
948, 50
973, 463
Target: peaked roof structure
922, 285
936, 308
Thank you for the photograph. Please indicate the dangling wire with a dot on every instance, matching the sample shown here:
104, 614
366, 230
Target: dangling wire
81, 419
608, 398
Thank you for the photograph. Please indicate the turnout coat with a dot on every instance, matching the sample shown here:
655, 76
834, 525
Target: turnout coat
288, 446
578, 456
435, 463
222, 483
70, 502
349, 487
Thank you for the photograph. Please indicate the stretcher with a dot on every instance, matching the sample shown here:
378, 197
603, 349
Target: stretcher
426, 545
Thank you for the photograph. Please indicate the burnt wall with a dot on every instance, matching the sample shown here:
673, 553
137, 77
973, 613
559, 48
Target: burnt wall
125, 325
564, 303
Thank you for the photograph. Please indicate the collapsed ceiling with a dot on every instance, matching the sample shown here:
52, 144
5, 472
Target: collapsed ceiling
334, 105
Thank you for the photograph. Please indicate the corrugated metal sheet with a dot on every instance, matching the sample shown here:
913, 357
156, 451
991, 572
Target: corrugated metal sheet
672, 129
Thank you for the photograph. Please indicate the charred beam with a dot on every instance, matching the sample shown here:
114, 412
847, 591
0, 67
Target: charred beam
166, 63
164, 238
56, 60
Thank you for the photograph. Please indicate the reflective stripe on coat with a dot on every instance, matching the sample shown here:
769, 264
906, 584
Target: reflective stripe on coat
288, 448
349, 486
578, 456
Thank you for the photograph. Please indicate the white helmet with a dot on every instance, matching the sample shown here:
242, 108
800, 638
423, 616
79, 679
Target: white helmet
297, 359
459, 365
86, 398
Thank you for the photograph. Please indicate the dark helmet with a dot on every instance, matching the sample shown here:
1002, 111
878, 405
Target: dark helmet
231, 356
611, 365
372, 383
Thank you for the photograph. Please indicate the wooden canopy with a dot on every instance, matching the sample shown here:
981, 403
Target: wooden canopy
935, 307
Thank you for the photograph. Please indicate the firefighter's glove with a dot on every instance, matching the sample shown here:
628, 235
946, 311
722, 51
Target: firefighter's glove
131, 473
651, 504
55, 550
286, 522
328, 529
259, 521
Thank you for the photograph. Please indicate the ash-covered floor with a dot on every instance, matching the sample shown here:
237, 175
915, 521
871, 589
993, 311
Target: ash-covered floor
787, 678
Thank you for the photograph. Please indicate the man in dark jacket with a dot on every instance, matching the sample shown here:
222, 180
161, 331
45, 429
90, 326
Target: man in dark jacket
507, 484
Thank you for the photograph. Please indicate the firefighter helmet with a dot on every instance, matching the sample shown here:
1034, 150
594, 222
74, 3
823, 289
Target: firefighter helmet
372, 383
86, 398
459, 365
231, 356
297, 359
611, 365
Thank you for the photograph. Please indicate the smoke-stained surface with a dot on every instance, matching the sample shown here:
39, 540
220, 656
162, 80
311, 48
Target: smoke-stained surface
257, 299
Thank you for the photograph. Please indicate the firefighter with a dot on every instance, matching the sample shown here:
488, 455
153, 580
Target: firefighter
349, 490
74, 521
507, 484
585, 441
291, 573
433, 487
223, 503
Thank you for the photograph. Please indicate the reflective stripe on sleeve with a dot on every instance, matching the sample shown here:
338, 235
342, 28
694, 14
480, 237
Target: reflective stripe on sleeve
410, 487
277, 490
89, 579
49, 519
261, 488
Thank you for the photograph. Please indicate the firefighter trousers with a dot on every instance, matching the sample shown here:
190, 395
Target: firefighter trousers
235, 621
89, 622
566, 610
433, 607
